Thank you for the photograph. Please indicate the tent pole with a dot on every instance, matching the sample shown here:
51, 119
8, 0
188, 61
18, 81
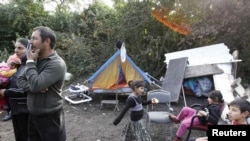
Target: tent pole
184, 98
116, 94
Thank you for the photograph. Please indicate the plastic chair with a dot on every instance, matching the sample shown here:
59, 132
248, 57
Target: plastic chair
157, 115
202, 128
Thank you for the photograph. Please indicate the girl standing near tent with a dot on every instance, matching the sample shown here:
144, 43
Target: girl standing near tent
135, 129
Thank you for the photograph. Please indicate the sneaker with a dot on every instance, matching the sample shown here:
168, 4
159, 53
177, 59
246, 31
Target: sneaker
6, 117
174, 118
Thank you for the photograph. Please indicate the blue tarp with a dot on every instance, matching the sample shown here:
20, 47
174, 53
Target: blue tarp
200, 86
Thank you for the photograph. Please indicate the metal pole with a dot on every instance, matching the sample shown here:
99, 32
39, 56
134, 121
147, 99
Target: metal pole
184, 98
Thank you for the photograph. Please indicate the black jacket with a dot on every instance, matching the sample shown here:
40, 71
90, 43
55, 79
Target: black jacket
214, 113
17, 98
134, 115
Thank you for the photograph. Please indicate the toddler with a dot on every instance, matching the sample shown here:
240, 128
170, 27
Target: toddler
6, 71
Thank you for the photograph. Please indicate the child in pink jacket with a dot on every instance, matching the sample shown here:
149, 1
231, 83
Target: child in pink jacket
6, 71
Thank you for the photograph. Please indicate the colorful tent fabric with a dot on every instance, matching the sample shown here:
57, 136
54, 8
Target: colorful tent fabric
114, 73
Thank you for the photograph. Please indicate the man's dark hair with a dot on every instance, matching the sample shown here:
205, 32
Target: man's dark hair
46, 32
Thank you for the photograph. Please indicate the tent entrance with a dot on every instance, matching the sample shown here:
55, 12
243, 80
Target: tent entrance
112, 77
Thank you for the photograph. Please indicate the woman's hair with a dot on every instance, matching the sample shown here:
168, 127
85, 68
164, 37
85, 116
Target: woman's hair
243, 104
23, 41
216, 96
136, 84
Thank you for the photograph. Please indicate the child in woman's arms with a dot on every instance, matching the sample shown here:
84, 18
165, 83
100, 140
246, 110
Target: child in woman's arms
8, 69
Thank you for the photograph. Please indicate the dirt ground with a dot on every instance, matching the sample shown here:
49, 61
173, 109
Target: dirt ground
89, 122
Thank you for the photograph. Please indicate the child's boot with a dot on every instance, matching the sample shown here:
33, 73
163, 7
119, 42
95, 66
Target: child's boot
7, 116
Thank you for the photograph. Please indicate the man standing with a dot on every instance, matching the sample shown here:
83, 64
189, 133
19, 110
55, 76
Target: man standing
44, 79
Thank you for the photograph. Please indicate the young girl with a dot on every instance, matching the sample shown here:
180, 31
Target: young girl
208, 113
239, 111
135, 129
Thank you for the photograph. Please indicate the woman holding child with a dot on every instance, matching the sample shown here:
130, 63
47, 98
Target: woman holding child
17, 96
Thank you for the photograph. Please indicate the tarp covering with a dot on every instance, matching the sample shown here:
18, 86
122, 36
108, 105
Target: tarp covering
114, 73
211, 54
217, 54
200, 86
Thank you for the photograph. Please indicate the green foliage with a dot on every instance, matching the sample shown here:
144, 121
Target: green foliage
87, 39
142, 35
17, 20
4, 55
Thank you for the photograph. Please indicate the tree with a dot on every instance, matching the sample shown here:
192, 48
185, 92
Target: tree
17, 20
